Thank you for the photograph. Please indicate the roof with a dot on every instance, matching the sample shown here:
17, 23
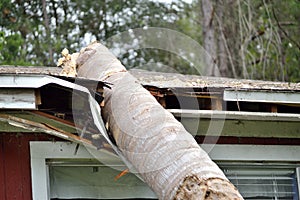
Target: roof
8, 69
19, 92
172, 80
38, 99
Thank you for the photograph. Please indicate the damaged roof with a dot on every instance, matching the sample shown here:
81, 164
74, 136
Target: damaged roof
38, 99
171, 80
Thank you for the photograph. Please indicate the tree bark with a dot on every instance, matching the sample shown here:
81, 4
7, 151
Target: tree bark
165, 155
222, 55
48, 32
209, 41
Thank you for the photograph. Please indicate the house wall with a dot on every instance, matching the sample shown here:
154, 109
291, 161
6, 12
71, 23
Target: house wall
15, 176
15, 169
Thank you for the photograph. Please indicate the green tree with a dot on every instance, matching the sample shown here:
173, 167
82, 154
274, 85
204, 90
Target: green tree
43, 28
255, 39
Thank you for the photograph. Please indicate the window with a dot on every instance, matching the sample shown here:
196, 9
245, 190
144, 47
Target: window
263, 181
58, 173
259, 172
89, 179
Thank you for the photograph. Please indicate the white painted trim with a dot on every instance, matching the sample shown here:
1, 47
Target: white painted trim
40, 151
262, 96
240, 115
12, 98
35, 81
298, 180
271, 153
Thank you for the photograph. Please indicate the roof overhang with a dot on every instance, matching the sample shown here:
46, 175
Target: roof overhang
21, 93
262, 96
239, 124
217, 91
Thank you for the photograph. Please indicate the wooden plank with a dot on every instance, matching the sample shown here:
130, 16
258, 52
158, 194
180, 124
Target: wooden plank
38, 98
162, 101
52, 130
274, 108
36, 116
7, 128
42, 114
17, 99
217, 104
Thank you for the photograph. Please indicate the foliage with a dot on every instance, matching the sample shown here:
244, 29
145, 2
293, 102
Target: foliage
273, 48
261, 36
256, 39
34, 32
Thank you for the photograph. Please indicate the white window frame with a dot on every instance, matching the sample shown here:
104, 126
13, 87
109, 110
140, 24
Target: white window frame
40, 151
298, 180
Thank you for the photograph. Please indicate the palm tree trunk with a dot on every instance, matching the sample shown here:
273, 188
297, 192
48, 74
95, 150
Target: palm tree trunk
166, 156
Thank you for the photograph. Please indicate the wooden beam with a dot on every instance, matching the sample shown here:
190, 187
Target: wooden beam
17, 98
217, 104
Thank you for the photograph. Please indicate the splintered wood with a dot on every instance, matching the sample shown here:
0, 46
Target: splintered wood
68, 63
193, 188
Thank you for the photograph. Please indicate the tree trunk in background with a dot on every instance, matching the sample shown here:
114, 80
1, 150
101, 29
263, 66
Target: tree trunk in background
217, 24
209, 42
48, 33
161, 150
222, 54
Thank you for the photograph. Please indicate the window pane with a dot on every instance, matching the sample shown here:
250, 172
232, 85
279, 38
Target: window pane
85, 182
89, 181
262, 182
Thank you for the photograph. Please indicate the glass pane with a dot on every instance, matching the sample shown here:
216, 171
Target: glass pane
92, 182
259, 182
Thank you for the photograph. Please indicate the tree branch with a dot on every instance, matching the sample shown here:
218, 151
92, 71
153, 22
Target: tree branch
284, 32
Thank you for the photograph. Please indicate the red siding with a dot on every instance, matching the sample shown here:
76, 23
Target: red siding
2, 181
246, 140
15, 176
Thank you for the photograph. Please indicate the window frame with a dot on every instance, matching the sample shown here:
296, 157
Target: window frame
41, 150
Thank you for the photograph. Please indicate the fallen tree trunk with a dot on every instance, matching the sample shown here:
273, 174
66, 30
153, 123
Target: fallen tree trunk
161, 150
